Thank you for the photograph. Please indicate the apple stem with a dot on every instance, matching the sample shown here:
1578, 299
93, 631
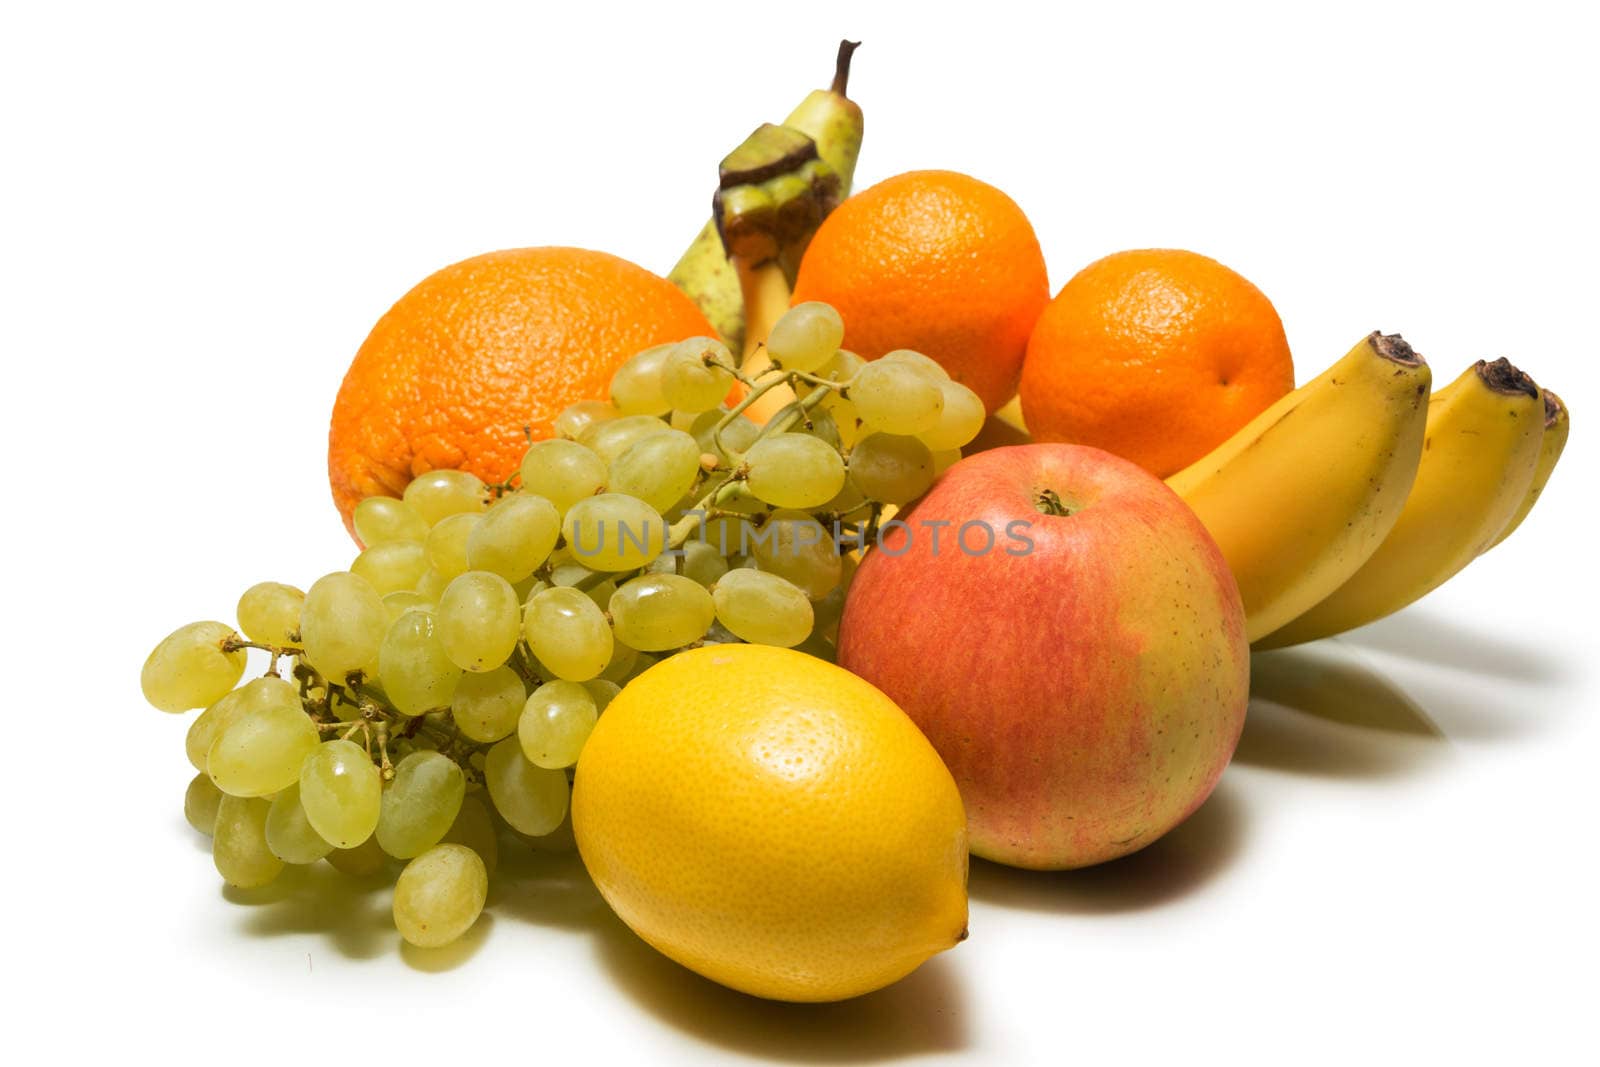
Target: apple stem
1049, 502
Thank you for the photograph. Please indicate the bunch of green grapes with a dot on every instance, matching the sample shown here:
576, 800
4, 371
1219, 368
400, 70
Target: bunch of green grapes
440, 690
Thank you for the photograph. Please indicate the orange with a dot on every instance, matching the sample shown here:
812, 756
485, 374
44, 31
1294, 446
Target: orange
1157, 355
451, 375
938, 262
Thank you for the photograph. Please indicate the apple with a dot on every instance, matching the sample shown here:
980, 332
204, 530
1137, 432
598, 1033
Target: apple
1069, 637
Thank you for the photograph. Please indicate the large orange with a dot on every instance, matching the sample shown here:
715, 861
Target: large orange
452, 373
1157, 355
936, 261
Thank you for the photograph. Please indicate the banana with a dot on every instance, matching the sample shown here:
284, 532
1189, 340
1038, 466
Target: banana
1478, 460
1304, 493
1556, 424
835, 123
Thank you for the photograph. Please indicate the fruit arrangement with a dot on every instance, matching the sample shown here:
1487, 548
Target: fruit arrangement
694, 571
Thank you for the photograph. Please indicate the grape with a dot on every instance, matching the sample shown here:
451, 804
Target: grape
189, 669
927, 366
689, 383
269, 613
819, 424
568, 633
200, 802
699, 561
891, 468
612, 532
532, 799
738, 435
806, 336
896, 398
239, 843
431, 585
762, 608
342, 793
659, 470
576, 418
959, 421
636, 385
474, 828
261, 752
391, 566
730, 535
944, 459
479, 621
447, 544
438, 494
841, 368
515, 536
656, 612
622, 664
602, 692
398, 603
794, 470
439, 895
571, 574
555, 723
420, 804
256, 693
363, 861
290, 834
827, 610
342, 625
413, 667
381, 519
487, 705
795, 546
609, 440
563, 472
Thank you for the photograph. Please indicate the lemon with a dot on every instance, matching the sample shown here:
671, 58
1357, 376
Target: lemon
774, 823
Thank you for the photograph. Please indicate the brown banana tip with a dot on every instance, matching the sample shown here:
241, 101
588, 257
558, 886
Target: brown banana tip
1393, 347
841, 67
1503, 377
1553, 409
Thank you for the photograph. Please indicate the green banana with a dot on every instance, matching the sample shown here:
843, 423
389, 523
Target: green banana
1479, 455
835, 123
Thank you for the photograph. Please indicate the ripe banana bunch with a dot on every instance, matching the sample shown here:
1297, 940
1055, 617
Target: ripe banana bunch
732, 290
1304, 494
1358, 493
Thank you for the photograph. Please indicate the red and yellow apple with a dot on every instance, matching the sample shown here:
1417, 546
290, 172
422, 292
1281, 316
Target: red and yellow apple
1064, 630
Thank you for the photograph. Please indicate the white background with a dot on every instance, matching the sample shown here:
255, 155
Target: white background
206, 208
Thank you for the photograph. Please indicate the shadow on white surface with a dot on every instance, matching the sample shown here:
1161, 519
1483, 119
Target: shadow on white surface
1443, 642
1175, 865
353, 917
1317, 710
448, 957
544, 888
922, 1014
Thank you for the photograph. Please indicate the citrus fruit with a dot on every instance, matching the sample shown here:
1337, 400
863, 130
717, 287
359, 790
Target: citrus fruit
1157, 355
454, 372
772, 822
938, 262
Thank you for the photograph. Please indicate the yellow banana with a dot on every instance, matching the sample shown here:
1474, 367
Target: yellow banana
835, 123
1556, 424
1478, 461
1303, 494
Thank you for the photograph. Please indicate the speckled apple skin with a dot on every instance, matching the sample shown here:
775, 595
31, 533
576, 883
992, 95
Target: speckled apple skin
1086, 694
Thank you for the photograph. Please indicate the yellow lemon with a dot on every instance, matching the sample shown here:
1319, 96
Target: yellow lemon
773, 822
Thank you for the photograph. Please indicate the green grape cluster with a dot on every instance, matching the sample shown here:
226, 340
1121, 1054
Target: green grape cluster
440, 690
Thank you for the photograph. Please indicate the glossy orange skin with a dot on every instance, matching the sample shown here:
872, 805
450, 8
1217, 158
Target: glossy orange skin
1156, 355
452, 374
935, 261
